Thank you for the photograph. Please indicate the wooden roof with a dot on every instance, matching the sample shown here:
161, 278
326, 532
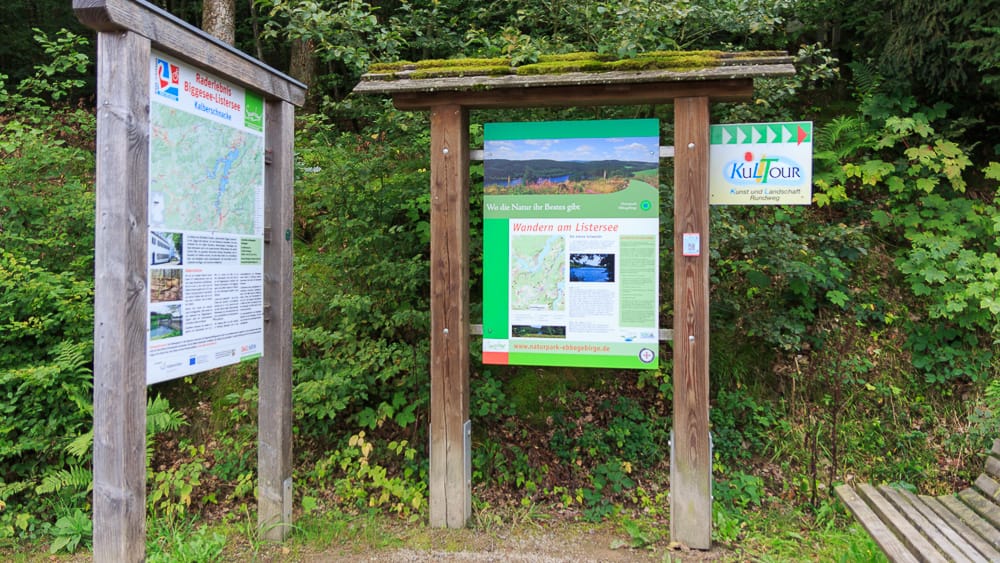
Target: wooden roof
490, 83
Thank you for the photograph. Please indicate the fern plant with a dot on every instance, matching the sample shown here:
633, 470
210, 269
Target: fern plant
76, 477
843, 140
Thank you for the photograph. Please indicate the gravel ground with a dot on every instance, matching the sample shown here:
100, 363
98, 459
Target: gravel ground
557, 544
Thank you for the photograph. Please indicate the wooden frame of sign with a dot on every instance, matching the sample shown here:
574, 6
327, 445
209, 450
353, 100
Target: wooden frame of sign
127, 32
449, 100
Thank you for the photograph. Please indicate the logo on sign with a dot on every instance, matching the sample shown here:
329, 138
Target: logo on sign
646, 355
168, 79
778, 171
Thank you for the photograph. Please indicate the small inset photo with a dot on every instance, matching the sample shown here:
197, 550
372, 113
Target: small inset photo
166, 284
165, 321
538, 331
591, 267
166, 248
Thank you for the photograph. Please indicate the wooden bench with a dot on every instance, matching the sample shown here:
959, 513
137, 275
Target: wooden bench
908, 527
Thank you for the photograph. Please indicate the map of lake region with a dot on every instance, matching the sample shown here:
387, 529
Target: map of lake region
538, 272
204, 175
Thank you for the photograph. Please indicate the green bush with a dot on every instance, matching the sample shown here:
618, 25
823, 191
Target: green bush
949, 243
361, 332
46, 298
774, 270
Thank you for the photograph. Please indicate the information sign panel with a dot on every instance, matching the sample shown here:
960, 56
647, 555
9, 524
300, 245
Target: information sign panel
761, 164
571, 244
206, 217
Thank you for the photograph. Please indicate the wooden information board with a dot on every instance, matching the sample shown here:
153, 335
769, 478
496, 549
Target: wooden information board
128, 33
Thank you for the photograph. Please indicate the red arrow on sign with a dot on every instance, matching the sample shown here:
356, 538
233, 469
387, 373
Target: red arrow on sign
802, 134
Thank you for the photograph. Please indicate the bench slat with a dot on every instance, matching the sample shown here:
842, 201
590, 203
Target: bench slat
967, 533
993, 467
989, 487
971, 519
982, 506
916, 517
913, 539
923, 504
876, 528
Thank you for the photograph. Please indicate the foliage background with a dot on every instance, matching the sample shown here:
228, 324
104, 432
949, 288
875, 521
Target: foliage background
855, 339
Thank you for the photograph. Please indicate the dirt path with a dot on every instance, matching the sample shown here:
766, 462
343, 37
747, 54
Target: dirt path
555, 543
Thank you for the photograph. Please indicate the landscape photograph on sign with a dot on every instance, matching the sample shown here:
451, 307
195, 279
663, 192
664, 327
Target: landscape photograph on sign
165, 321
538, 331
591, 267
569, 166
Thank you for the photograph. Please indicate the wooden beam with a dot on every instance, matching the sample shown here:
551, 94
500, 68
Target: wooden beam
588, 95
691, 463
120, 272
274, 418
174, 36
450, 487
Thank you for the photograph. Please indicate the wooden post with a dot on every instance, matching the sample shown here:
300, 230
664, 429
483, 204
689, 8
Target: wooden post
120, 272
274, 413
691, 463
450, 458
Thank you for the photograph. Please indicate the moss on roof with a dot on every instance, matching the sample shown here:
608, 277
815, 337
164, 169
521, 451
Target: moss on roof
577, 56
464, 62
443, 72
560, 67
678, 61
670, 60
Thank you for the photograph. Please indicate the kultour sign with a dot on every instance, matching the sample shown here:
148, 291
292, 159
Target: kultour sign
571, 243
761, 164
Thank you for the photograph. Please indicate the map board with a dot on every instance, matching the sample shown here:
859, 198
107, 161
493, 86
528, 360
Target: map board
206, 222
761, 164
571, 244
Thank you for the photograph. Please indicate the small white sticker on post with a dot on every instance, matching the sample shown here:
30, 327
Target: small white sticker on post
691, 244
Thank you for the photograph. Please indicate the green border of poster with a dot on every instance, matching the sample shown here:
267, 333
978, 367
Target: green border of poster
619, 210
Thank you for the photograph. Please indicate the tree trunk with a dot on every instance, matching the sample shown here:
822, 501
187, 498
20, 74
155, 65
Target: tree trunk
302, 66
258, 47
218, 18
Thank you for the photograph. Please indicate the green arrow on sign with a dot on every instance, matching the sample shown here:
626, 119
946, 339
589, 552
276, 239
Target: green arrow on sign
761, 133
773, 132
